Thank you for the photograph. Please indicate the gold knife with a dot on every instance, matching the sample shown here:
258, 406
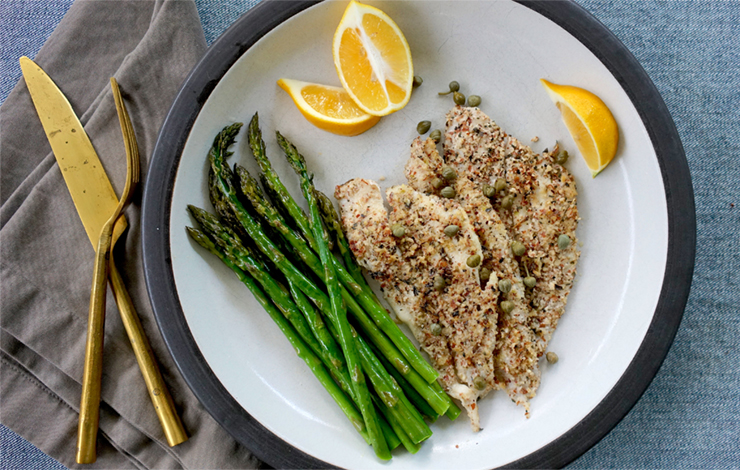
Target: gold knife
95, 200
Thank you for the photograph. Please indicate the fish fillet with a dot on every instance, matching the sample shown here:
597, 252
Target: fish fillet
455, 326
515, 357
544, 208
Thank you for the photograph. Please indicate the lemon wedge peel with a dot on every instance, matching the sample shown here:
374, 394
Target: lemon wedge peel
387, 88
589, 121
328, 107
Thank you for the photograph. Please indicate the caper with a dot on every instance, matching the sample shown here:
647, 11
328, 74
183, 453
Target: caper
507, 202
488, 191
437, 183
417, 81
398, 230
451, 230
423, 127
449, 173
563, 241
504, 285
436, 135
458, 98
474, 101
439, 283
454, 86
551, 357
507, 306
562, 157
474, 261
500, 185
485, 274
518, 248
436, 329
448, 192
479, 383
530, 281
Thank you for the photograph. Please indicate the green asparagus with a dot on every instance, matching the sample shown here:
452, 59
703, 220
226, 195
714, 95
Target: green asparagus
243, 258
301, 348
331, 220
269, 248
339, 311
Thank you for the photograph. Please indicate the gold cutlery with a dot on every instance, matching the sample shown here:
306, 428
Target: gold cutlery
95, 201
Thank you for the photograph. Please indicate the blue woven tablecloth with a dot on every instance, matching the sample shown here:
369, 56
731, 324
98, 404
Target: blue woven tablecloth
690, 415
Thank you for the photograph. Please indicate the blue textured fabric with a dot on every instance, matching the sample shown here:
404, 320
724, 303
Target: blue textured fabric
690, 415
17, 453
24, 27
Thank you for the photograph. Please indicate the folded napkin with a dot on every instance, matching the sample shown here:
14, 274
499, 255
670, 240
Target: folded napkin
46, 259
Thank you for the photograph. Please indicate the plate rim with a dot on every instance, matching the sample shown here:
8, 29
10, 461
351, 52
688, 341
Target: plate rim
156, 207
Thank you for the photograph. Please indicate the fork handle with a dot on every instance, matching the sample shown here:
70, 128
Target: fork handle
87, 429
158, 392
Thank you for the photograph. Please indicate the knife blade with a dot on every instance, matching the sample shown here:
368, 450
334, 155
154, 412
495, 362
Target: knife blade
95, 199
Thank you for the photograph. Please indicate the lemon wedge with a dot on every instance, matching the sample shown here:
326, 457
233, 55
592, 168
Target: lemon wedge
589, 122
328, 107
373, 59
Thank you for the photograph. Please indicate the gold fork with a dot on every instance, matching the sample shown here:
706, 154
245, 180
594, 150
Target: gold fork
90, 402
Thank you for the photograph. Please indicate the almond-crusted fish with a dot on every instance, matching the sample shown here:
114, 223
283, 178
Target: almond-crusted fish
543, 215
516, 357
425, 277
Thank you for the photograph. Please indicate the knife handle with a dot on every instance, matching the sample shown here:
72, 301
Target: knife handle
158, 392
87, 430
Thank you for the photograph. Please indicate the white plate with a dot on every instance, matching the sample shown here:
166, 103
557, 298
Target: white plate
498, 50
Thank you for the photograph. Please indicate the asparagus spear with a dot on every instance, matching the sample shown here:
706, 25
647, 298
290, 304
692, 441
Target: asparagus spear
301, 348
275, 185
339, 311
453, 411
277, 202
407, 416
315, 322
395, 425
331, 220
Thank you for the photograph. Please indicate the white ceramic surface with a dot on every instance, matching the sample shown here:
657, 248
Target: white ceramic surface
498, 50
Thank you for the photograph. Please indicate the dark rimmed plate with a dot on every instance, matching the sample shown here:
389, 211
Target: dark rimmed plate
638, 225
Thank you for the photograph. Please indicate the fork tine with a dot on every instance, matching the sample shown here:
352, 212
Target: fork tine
132, 148
133, 143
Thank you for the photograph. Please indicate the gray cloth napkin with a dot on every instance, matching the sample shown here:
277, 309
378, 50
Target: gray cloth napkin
46, 259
